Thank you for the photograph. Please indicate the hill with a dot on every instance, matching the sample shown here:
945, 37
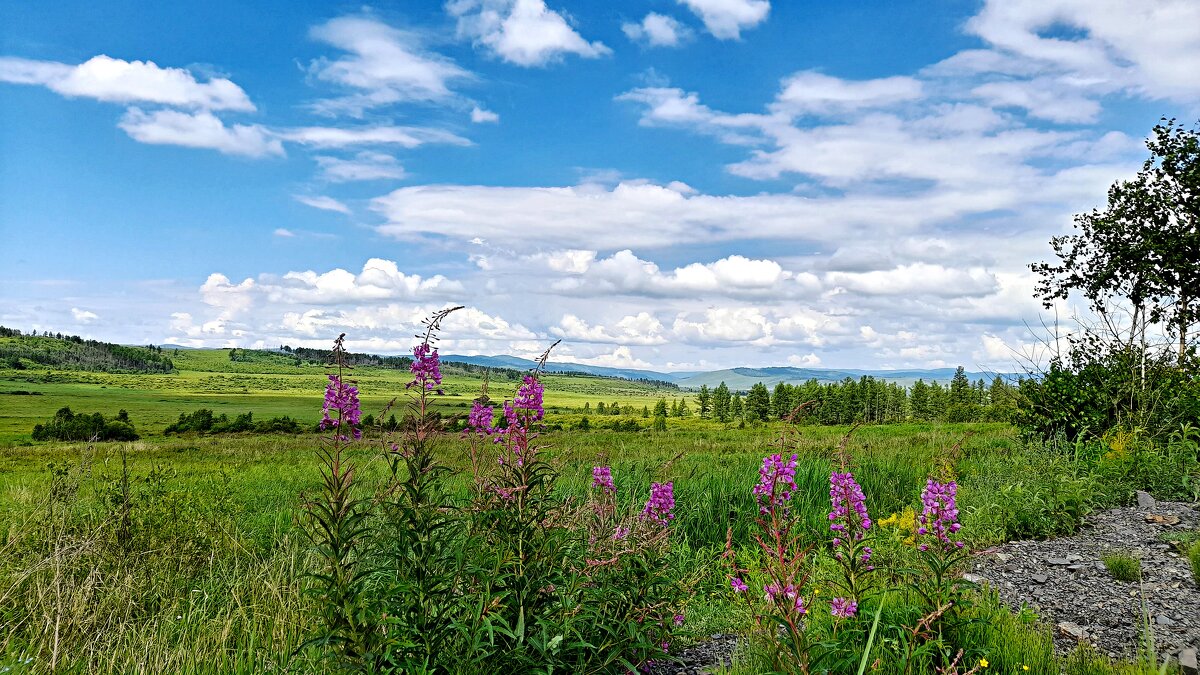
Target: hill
19, 351
735, 378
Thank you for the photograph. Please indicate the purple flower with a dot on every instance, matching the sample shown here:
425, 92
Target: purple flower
939, 516
426, 368
776, 482
661, 503
843, 608
738, 585
602, 478
848, 518
678, 619
620, 533
342, 398
480, 418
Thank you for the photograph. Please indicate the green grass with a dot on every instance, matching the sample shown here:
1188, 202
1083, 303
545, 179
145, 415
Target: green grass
206, 378
203, 570
1122, 565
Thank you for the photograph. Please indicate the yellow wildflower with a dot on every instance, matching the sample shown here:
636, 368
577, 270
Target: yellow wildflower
983, 663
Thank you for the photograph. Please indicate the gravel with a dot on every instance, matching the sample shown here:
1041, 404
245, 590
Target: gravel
1066, 582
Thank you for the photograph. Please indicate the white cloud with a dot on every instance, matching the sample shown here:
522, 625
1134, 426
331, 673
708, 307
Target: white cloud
640, 329
199, 130
481, 116
523, 32
1151, 47
379, 280
283, 232
809, 360
918, 279
726, 19
657, 30
339, 137
322, 202
107, 79
385, 65
364, 166
812, 92
83, 315
621, 357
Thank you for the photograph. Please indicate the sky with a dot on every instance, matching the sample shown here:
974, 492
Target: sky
661, 184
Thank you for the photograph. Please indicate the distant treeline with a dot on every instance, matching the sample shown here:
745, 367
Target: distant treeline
71, 352
867, 400
203, 421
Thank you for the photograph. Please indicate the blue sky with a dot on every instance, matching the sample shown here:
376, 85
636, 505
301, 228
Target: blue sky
673, 184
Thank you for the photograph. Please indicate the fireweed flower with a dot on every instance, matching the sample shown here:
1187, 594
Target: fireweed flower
480, 418
843, 608
738, 585
426, 368
343, 398
661, 504
849, 520
519, 416
602, 478
939, 516
776, 482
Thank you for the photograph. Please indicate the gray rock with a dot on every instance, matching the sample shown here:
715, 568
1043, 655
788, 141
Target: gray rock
1073, 629
1164, 620
1144, 500
1187, 662
1040, 578
1057, 561
972, 578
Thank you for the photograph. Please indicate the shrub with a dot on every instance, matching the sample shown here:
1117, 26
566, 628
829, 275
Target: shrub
69, 426
1122, 565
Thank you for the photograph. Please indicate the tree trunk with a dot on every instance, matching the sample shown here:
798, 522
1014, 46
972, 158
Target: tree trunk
1183, 326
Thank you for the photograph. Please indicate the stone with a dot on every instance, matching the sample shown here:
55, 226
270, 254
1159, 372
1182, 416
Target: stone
1163, 620
1057, 561
1072, 629
1162, 520
1040, 578
1003, 557
972, 578
1144, 500
1187, 662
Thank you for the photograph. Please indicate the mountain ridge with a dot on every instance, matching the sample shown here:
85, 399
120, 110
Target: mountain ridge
738, 378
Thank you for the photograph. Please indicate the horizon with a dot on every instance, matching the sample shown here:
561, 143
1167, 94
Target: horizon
664, 186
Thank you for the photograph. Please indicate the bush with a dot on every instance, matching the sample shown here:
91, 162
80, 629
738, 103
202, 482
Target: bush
69, 426
1122, 565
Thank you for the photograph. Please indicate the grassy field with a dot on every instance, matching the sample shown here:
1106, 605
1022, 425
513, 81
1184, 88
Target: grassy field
188, 554
208, 379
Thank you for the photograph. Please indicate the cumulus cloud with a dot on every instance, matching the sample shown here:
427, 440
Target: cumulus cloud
322, 202
114, 80
812, 92
383, 64
657, 30
83, 315
522, 32
284, 233
726, 19
199, 130
640, 329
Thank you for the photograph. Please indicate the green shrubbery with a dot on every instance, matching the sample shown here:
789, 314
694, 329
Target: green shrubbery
69, 426
204, 422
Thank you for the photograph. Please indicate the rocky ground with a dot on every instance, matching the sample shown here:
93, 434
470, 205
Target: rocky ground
1065, 581
1067, 584
702, 657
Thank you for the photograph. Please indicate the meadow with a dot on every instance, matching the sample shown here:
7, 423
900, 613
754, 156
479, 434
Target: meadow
196, 553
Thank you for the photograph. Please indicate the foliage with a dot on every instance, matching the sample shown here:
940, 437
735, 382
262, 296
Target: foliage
71, 351
1193, 554
203, 421
1122, 565
69, 426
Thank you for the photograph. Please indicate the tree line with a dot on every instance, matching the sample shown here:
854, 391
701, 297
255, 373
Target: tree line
55, 350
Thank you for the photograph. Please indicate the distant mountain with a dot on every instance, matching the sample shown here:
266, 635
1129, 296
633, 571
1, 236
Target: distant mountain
561, 367
738, 379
